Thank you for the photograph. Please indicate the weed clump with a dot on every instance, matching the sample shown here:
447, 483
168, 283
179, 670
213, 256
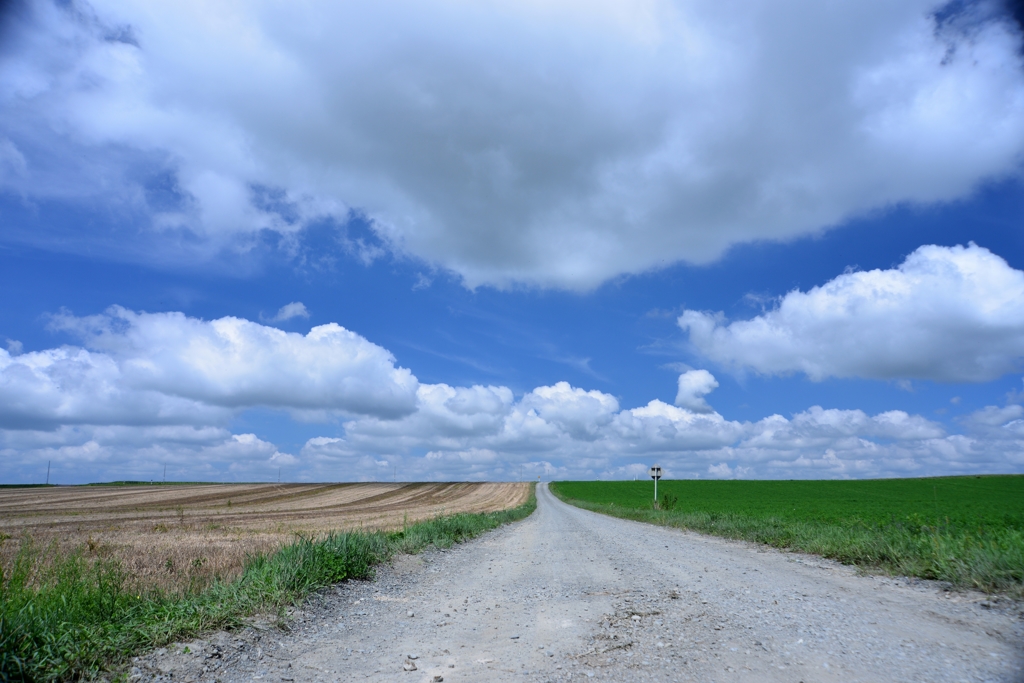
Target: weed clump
666, 502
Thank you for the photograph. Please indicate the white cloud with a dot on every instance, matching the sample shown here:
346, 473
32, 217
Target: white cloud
154, 389
723, 471
73, 386
166, 368
559, 423
556, 144
88, 453
661, 428
693, 386
821, 429
296, 309
577, 412
950, 314
997, 423
235, 363
444, 417
593, 438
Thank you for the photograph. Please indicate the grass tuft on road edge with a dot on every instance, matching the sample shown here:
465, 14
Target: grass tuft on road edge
990, 560
71, 618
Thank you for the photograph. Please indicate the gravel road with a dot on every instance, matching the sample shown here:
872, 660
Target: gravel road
571, 595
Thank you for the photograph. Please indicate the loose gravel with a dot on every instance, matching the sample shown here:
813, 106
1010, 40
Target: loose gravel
570, 595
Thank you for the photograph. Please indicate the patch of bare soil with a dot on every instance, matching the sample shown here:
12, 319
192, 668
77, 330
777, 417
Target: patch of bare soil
181, 536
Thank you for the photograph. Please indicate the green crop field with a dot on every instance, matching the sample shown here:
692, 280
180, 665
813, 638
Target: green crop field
968, 531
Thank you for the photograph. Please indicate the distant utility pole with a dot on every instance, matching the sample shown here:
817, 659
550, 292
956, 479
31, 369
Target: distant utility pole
47, 472
165, 474
278, 475
394, 479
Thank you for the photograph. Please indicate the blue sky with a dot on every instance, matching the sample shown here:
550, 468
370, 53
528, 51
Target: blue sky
562, 242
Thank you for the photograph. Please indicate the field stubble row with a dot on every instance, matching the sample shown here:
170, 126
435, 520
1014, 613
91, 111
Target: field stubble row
182, 537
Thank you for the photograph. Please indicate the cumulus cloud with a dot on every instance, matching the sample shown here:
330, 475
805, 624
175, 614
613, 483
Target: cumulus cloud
85, 453
445, 417
578, 413
661, 428
74, 386
723, 471
166, 368
821, 429
576, 433
162, 388
949, 314
558, 423
630, 134
693, 386
236, 363
998, 423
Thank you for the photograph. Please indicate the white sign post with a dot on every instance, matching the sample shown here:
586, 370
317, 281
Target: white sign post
655, 473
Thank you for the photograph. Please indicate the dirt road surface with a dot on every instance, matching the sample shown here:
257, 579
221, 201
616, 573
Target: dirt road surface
572, 595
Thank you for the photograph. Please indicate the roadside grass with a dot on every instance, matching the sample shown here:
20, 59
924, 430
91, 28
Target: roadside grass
72, 617
967, 531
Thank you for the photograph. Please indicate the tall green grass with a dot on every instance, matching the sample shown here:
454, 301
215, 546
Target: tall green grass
967, 531
72, 617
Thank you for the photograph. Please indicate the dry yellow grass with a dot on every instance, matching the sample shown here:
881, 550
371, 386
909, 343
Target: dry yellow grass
175, 537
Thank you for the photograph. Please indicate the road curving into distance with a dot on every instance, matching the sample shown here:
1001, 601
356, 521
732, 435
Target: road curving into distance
572, 595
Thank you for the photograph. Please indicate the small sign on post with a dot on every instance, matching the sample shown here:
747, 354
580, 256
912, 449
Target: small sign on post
655, 473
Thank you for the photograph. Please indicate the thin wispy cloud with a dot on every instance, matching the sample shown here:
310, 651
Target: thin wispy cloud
580, 364
469, 361
296, 309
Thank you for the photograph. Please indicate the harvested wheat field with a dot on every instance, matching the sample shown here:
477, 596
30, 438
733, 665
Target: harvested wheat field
183, 536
